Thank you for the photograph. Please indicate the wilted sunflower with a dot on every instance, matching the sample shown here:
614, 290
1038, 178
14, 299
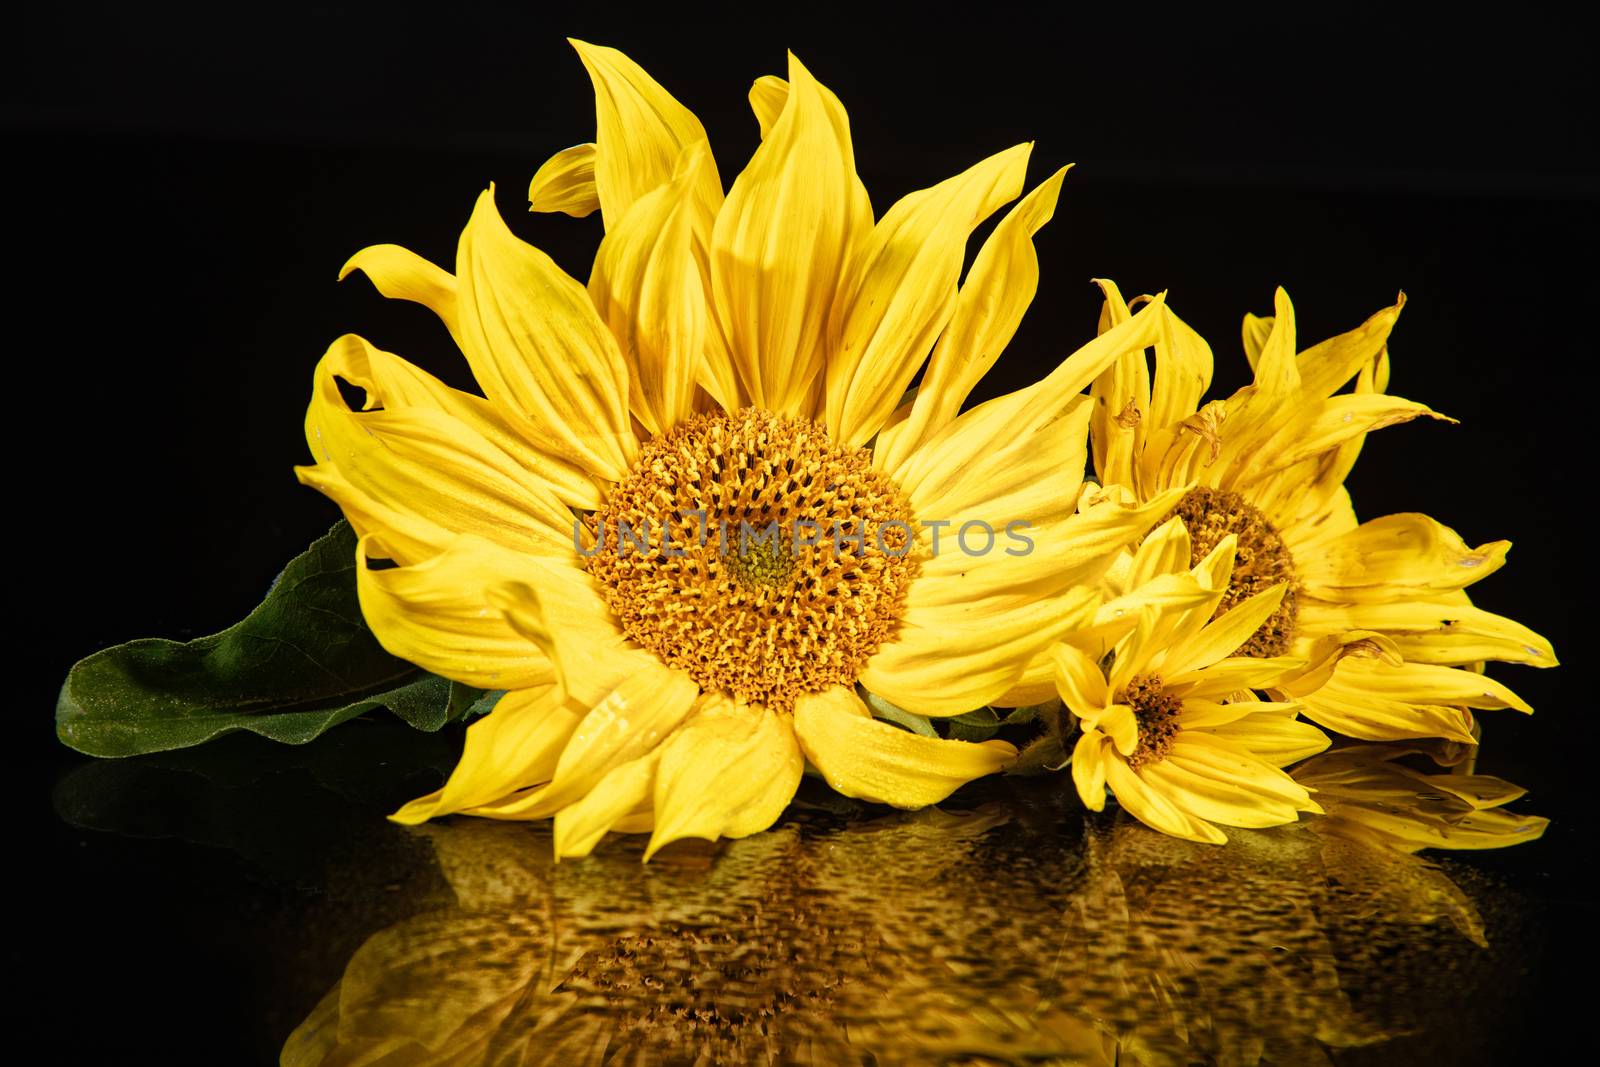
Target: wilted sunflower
1377, 609
738, 358
1162, 724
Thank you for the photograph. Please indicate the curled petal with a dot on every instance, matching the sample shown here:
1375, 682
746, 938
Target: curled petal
566, 183
540, 350
870, 760
727, 772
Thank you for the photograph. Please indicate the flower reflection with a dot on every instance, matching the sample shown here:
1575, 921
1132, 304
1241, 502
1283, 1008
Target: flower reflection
1370, 795
1014, 931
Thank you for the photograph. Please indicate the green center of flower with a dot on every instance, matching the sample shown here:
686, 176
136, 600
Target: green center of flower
1156, 712
775, 562
763, 562
1261, 561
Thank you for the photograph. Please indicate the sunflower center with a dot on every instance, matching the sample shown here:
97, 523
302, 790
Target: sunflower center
756, 554
764, 563
1156, 712
1261, 562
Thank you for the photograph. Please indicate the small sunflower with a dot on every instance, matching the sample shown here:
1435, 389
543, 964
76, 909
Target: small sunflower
734, 359
1163, 724
1379, 610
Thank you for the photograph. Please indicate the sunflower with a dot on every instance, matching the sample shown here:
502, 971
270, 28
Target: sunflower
735, 362
1378, 610
1163, 727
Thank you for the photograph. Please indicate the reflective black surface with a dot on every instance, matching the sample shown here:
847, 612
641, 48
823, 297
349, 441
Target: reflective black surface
1004, 927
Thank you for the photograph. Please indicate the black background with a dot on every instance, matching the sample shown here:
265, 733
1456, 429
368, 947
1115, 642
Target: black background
184, 188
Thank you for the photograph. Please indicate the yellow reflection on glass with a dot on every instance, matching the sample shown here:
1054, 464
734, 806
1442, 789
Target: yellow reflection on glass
1014, 931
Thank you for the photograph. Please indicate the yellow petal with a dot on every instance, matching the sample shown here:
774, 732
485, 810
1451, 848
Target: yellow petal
902, 291
1036, 685
1372, 798
1255, 414
727, 772
767, 96
1120, 723
1349, 705
972, 624
513, 747
1216, 570
946, 660
1323, 653
629, 722
1207, 754
1255, 331
1205, 714
641, 821
1080, 681
1423, 683
1446, 630
400, 274
1273, 735
1089, 760
566, 183
1175, 596
539, 349
781, 244
1017, 415
1395, 558
420, 455
1183, 367
989, 308
640, 132
873, 761
1148, 803
977, 475
770, 93
1121, 395
565, 617
1339, 419
401, 536
622, 791
391, 384
1134, 651
1224, 783
1166, 551
646, 286
1231, 675
1222, 637
1277, 373
437, 614
1304, 450
1326, 366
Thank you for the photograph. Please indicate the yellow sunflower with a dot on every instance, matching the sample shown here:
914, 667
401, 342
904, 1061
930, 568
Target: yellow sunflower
1378, 610
1168, 723
734, 359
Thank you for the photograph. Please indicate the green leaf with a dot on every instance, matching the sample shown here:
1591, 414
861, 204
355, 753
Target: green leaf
1042, 755
977, 725
984, 723
299, 664
882, 709
483, 705
1051, 749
